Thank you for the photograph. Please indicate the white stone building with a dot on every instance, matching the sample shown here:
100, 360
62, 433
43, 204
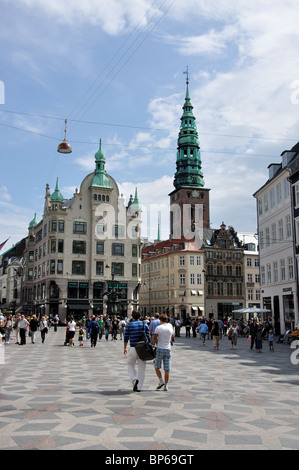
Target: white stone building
84, 257
276, 241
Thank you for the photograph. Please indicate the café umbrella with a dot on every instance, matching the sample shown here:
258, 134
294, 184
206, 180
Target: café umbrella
251, 311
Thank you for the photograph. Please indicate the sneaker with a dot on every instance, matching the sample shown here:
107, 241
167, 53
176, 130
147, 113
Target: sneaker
165, 387
161, 384
135, 384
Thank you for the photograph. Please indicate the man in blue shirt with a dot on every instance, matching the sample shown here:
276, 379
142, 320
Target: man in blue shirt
153, 325
136, 367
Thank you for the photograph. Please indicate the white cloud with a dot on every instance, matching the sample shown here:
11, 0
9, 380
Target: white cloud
14, 220
211, 43
4, 194
113, 16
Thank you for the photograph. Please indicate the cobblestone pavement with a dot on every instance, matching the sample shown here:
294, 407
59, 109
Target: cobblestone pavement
70, 398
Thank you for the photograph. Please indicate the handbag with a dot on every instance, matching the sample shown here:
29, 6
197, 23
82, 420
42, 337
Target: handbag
144, 348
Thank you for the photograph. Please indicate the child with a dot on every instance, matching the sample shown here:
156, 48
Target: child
271, 340
81, 336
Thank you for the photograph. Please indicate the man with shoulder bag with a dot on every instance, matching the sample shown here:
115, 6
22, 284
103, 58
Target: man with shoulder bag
134, 330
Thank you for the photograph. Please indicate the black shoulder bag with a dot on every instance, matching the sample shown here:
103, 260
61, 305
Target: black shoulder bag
144, 348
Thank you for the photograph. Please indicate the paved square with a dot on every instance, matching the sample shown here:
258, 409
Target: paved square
70, 398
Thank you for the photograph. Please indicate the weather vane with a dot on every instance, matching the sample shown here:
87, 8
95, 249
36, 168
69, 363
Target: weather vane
187, 73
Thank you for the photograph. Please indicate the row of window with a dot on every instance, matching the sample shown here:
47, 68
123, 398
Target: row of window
79, 227
163, 282
222, 270
278, 271
225, 288
182, 261
251, 296
74, 291
78, 268
249, 262
274, 197
196, 260
278, 232
223, 255
195, 279
101, 197
79, 247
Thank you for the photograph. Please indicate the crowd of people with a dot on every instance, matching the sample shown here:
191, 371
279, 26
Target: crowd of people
160, 330
254, 330
96, 328
21, 327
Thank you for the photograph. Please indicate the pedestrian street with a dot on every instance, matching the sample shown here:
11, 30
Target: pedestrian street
57, 397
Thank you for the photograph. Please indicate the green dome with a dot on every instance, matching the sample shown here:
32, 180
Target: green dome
33, 222
100, 178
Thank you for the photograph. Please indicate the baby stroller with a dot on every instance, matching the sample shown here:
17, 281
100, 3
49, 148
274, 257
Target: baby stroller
67, 337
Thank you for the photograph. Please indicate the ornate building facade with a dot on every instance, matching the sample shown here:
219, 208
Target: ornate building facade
84, 255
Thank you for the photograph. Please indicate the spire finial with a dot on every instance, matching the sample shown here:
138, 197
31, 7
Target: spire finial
187, 73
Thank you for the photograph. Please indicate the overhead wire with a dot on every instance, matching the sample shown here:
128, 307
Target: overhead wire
118, 66
147, 147
131, 126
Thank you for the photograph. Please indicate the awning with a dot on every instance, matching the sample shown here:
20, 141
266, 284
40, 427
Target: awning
200, 292
181, 293
79, 306
193, 292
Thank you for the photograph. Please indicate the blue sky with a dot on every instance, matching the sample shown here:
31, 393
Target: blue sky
114, 69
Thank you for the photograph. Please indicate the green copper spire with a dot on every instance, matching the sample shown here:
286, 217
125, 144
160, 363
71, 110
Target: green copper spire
136, 206
188, 165
100, 179
56, 196
33, 222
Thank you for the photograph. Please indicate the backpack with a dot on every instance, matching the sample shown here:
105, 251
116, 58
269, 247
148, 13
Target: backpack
95, 327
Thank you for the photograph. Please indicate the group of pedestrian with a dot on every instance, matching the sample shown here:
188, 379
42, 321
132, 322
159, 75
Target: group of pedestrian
257, 333
160, 332
94, 328
23, 327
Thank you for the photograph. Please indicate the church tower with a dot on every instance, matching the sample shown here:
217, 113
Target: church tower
189, 202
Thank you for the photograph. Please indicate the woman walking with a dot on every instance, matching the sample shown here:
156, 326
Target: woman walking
43, 326
33, 325
215, 333
234, 329
8, 328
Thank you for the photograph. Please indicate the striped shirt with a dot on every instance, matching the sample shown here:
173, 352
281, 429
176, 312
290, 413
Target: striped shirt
134, 332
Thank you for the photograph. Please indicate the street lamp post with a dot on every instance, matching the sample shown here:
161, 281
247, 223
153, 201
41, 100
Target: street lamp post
112, 292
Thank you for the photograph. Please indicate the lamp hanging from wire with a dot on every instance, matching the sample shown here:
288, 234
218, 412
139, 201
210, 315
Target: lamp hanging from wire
64, 146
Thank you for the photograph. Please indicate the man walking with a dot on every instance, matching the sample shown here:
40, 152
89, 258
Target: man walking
153, 325
93, 331
23, 326
136, 366
253, 332
163, 336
